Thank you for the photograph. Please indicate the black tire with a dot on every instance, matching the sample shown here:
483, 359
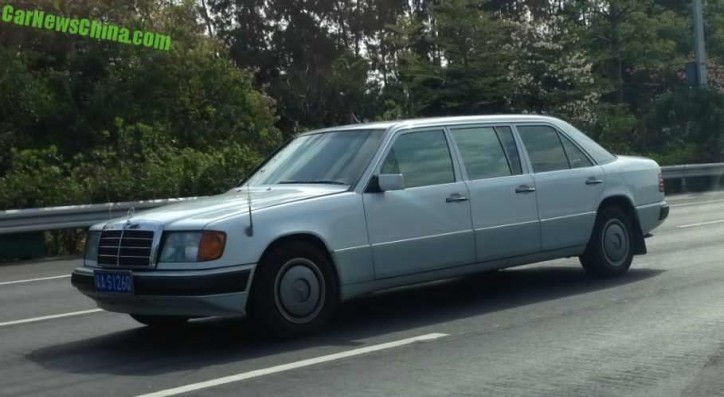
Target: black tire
294, 292
160, 321
610, 250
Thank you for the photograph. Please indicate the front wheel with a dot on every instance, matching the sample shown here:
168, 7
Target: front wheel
159, 321
610, 250
294, 290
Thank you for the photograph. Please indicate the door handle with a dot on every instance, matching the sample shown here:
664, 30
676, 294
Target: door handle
455, 197
594, 181
525, 189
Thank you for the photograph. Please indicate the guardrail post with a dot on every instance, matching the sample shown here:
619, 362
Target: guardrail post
684, 173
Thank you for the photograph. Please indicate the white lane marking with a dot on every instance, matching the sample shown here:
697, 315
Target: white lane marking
30, 280
697, 203
43, 318
700, 224
286, 367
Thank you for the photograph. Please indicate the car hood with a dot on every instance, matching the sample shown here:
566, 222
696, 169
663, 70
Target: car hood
203, 210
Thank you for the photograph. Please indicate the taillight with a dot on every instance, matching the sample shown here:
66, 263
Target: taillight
662, 186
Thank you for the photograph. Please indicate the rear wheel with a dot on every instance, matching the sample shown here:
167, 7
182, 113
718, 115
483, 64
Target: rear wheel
294, 291
610, 250
160, 321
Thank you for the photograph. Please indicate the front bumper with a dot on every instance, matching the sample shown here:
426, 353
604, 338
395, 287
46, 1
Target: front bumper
218, 292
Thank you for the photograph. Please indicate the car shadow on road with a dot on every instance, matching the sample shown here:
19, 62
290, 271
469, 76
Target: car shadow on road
143, 352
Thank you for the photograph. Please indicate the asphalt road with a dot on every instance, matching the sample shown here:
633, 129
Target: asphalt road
541, 330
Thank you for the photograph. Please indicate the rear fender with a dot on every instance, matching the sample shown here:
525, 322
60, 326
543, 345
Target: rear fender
624, 202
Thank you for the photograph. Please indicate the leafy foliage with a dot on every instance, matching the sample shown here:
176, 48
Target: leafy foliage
687, 126
136, 162
89, 121
86, 121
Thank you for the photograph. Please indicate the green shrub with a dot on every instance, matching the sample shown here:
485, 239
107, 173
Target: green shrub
686, 126
137, 162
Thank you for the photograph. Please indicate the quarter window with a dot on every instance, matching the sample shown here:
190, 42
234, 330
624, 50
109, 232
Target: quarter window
482, 152
544, 148
423, 158
505, 134
576, 158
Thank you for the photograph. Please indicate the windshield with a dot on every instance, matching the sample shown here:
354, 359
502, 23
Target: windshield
337, 157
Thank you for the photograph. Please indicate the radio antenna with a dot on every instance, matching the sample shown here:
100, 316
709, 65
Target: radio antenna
250, 228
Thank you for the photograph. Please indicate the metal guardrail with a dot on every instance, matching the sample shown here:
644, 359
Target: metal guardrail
690, 170
80, 216
73, 216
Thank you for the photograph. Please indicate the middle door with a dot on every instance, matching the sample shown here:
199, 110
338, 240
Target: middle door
502, 196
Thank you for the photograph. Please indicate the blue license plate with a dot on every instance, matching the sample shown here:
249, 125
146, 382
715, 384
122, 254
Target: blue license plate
113, 281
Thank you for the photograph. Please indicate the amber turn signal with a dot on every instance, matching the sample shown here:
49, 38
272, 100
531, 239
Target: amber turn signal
211, 245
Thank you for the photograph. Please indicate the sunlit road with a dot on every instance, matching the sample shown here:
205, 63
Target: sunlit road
542, 330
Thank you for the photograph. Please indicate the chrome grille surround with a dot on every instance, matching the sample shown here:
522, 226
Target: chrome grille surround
129, 244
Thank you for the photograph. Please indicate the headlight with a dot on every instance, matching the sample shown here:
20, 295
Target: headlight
192, 246
180, 247
91, 245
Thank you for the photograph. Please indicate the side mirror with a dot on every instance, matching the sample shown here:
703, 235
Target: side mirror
389, 182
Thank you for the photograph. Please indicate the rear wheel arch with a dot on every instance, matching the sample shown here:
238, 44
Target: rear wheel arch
625, 204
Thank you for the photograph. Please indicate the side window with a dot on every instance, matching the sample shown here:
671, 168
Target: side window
544, 148
423, 158
505, 134
576, 157
482, 152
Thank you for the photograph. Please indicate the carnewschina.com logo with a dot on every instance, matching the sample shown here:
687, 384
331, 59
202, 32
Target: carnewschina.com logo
84, 27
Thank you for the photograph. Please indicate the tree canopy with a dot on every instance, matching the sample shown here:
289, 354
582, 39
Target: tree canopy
84, 120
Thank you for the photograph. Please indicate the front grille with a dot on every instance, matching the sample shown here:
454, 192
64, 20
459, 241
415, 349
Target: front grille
125, 247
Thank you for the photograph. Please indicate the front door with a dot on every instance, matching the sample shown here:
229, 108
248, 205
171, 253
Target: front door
426, 226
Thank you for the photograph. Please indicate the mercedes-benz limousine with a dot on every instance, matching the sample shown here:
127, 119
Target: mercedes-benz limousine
346, 211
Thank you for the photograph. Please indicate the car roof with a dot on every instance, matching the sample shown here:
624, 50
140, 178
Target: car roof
420, 122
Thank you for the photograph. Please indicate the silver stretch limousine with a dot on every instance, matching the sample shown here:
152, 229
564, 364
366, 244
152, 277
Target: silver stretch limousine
345, 211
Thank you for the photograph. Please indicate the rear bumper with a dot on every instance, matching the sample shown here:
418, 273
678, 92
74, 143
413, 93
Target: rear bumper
664, 212
218, 292
652, 216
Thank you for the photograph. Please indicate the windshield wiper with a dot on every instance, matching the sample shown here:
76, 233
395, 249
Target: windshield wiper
322, 181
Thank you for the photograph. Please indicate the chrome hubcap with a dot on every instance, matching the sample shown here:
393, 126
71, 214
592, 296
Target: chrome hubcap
615, 242
299, 290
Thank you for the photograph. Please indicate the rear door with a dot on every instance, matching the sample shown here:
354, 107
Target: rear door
425, 226
502, 196
568, 186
